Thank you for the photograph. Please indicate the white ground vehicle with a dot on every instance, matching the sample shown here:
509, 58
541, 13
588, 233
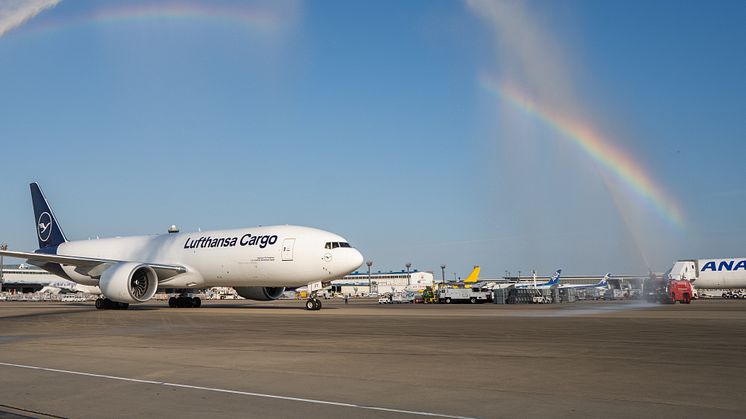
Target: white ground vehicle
463, 295
400, 298
542, 299
384, 299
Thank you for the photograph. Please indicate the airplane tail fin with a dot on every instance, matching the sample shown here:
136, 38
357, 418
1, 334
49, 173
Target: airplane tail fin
48, 230
605, 281
472, 276
555, 278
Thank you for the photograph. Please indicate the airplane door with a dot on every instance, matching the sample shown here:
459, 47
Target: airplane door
287, 249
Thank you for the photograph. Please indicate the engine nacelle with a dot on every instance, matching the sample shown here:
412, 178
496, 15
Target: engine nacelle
260, 293
129, 282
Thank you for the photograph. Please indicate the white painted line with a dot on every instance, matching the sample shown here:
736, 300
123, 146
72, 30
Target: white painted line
240, 393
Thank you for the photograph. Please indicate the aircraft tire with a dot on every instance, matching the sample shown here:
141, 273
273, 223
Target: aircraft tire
448, 301
172, 302
317, 304
99, 304
310, 305
472, 300
196, 302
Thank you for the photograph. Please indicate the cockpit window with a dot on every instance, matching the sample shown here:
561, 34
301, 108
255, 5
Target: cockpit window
334, 245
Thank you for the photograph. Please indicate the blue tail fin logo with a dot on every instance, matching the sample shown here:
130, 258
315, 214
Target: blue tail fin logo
47, 228
605, 281
555, 278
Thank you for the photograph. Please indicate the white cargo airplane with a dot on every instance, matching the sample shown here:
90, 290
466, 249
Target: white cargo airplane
259, 262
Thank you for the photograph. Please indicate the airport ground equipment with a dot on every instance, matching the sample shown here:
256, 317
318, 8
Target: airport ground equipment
668, 291
463, 295
616, 294
401, 298
729, 273
541, 299
735, 295
500, 295
524, 295
428, 296
567, 295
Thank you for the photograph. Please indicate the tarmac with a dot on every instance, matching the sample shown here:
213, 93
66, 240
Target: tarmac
277, 360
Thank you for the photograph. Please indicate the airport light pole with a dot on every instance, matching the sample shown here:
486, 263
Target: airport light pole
409, 279
2, 280
443, 272
369, 264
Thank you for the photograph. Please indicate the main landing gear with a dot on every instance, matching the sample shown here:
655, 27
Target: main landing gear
313, 304
184, 302
107, 304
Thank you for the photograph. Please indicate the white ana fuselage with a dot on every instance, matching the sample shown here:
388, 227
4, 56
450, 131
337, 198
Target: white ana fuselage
272, 256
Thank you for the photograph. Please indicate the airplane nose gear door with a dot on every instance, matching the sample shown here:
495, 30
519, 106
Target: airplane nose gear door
287, 249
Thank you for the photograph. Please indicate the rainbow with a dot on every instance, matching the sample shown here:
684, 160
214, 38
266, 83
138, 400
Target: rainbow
256, 19
600, 149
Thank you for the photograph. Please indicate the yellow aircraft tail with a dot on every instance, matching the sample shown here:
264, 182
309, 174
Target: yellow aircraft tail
473, 276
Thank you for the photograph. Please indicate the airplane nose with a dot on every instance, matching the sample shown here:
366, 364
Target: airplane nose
356, 259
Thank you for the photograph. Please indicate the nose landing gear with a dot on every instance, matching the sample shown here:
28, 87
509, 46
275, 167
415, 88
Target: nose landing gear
313, 304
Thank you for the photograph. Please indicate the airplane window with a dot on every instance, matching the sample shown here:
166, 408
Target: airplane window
328, 245
335, 245
344, 244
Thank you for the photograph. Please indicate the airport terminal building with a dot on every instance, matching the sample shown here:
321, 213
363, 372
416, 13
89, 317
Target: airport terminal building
25, 279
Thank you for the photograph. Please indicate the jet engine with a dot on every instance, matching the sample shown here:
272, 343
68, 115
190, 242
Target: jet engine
129, 282
260, 293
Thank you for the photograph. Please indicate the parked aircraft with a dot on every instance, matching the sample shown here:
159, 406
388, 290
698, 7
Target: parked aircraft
473, 276
258, 262
603, 283
553, 282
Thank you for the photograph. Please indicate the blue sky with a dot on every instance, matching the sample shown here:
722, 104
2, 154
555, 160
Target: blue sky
368, 119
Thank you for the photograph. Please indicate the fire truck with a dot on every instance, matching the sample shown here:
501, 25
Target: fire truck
668, 291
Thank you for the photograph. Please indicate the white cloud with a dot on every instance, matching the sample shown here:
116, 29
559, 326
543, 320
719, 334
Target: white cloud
14, 13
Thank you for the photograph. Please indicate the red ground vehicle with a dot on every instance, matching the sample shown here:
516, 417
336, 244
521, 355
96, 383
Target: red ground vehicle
677, 290
680, 291
669, 291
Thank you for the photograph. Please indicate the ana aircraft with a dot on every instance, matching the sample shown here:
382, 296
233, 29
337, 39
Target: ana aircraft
258, 262
603, 283
553, 282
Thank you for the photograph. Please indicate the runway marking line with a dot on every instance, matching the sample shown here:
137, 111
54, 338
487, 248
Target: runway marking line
237, 392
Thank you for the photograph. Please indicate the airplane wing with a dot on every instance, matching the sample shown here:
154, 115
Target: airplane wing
93, 267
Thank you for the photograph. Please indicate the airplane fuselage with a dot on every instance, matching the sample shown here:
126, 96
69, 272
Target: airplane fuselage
270, 256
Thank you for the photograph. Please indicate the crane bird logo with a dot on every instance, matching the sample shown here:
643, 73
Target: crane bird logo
44, 226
